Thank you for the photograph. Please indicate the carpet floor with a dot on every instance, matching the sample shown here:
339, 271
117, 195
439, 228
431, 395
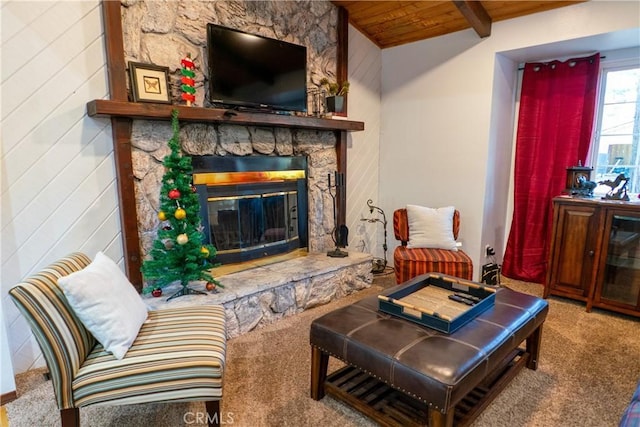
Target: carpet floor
589, 367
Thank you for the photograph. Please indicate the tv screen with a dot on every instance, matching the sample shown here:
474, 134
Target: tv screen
255, 71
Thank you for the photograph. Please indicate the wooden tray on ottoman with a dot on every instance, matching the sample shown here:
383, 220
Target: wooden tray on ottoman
425, 300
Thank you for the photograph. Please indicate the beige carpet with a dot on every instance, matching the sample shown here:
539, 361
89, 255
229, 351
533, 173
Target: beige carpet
589, 367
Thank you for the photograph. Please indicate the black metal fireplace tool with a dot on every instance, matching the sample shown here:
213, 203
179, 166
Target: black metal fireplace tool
340, 233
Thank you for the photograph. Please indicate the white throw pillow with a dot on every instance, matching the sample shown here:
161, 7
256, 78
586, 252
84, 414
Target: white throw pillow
431, 228
106, 303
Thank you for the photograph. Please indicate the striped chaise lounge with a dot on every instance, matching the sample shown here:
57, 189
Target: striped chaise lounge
409, 263
178, 355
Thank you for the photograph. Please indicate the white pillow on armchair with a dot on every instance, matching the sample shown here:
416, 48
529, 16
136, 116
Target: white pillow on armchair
431, 228
106, 303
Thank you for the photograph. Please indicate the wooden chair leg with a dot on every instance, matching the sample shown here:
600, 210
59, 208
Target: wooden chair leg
213, 413
70, 417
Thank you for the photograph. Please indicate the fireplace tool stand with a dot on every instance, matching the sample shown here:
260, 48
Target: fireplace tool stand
339, 233
379, 265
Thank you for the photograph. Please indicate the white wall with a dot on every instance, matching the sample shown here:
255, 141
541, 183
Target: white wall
7, 382
58, 190
365, 68
447, 111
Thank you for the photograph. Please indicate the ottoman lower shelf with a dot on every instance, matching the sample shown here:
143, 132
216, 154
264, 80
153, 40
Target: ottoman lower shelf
392, 408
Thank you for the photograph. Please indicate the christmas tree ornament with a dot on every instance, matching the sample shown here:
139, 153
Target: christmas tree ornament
162, 216
176, 254
156, 292
193, 189
210, 286
180, 213
182, 239
205, 252
174, 194
187, 80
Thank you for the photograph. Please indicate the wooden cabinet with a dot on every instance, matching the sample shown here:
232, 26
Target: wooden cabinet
595, 253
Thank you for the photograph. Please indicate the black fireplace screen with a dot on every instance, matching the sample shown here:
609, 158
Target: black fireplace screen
252, 207
246, 221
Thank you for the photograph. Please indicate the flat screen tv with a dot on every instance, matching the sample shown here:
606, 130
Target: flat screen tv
247, 70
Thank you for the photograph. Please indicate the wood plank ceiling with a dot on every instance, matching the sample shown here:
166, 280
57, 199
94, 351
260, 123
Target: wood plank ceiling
393, 23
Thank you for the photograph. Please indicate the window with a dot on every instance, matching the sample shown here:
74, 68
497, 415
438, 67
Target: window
617, 136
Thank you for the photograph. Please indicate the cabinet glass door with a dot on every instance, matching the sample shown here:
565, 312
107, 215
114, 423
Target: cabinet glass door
621, 282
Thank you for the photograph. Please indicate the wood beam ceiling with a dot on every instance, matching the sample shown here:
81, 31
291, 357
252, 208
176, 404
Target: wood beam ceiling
476, 15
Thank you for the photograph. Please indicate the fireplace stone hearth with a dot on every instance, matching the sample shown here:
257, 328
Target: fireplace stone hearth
259, 296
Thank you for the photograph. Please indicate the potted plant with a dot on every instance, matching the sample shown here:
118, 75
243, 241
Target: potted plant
335, 94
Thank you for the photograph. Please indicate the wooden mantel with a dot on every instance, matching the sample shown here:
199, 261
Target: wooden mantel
121, 112
109, 108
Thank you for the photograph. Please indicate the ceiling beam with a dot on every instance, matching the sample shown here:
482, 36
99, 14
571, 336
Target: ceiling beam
476, 15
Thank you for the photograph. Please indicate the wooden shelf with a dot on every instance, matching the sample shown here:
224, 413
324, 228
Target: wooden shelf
151, 111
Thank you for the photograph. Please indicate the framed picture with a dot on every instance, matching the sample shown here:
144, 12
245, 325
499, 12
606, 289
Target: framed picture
149, 83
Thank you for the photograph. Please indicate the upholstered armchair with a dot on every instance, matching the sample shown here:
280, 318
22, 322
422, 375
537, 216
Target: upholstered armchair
411, 262
178, 354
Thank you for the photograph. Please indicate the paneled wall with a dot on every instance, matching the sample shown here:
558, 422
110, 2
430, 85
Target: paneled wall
365, 69
58, 177
58, 189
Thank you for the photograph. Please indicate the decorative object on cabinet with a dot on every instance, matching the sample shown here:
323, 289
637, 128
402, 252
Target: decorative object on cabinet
579, 181
149, 83
618, 188
595, 253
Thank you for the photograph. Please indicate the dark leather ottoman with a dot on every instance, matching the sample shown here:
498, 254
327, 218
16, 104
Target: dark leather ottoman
401, 373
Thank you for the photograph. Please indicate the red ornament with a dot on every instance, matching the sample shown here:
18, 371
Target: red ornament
156, 292
187, 62
174, 194
193, 189
188, 97
210, 286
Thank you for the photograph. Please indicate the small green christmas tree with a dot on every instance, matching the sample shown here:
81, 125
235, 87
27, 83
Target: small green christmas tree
178, 253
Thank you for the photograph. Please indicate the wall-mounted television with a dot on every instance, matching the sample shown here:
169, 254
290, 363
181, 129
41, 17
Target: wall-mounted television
246, 70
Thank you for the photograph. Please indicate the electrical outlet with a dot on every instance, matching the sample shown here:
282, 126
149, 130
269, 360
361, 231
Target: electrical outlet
489, 251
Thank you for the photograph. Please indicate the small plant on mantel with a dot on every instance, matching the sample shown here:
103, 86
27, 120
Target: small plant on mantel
334, 88
335, 94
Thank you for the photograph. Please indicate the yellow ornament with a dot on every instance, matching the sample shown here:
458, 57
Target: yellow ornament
162, 216
180, 213
205, 252
182, 239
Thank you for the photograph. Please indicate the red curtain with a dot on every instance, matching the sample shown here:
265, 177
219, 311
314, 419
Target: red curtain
554, 132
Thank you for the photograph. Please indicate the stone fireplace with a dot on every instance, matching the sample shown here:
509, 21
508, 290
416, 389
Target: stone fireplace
259, 295
163, 32
227, 145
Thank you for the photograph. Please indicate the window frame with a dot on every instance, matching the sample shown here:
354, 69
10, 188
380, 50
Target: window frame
606, 66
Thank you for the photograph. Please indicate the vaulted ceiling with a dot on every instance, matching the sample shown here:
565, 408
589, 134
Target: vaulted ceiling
393, 23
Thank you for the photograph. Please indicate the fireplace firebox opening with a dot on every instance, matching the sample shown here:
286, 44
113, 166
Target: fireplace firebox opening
252, 207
